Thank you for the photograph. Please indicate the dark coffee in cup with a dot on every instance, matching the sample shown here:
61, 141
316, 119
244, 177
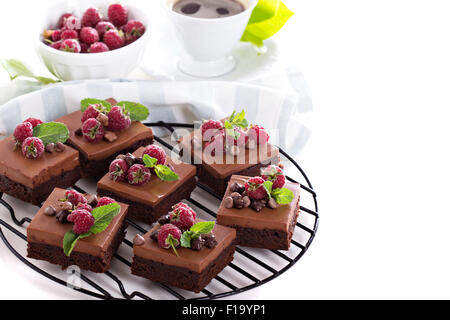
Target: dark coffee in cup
208, 9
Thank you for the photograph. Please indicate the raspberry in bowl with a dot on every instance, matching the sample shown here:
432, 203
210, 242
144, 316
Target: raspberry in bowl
92, 41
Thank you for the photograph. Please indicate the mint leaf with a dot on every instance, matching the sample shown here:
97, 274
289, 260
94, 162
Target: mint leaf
283, 195
85, 103
165, 173
71, 239
51, 132
16, 68
203, 227
138, 112
237, 120
103, 216
268, 186
186, 238
149, 162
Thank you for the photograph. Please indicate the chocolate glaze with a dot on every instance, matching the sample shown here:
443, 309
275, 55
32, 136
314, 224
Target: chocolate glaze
194, 260
103, 149
155, 190
264, 154
33, 172
273, 219
47, 230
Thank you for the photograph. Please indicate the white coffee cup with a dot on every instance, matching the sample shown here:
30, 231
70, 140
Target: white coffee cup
208, 43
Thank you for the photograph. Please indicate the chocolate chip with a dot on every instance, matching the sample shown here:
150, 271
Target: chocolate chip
62, 216
103, 119
272, 203
237, 187
50, 211
235, 195
79, 132
258, 205
246, 201
110, 136
190, 8
50, 148
60, 147
121, 157
65, 206
197, 244
222, 11
130, 159
91, 199
281, 166
154, 235
210, 241
164, 220
228, 202
138, 240
239, 203
138, 160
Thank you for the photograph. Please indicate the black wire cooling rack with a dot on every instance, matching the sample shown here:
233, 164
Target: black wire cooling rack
250, 268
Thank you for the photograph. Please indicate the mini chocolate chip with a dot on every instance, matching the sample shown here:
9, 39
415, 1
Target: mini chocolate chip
103, 119
50, 211
246, 201
130, 159
228, 202
237, 187
272, 203
110, 136
50, 148
154, 235
197, 244
65, 205
239, 203
164, 220
138, 240
91, 199
138, 160
79, 132
121, 157
235, 195
62, 216
60, 147
281, 166
258, 205
210, 241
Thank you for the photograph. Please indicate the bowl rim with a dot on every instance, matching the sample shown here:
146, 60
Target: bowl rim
101, 55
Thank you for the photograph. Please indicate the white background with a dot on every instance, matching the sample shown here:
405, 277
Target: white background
378, 156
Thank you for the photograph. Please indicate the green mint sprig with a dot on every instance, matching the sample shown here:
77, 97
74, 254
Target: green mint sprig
162, 171
16, 68
281, 195
51, 132
85, 103
236, 120
195, 232
136, 111
103, 216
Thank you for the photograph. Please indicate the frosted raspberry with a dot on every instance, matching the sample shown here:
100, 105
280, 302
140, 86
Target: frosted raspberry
210, 128
103, 26
182, 218
216, 145
169, 236
69, 34
98, 47
275, 175
32, 147
91, 17
84, 47
34, 122
258, 134
118, 170
104, 201
255, 188
92, 112
236, 137
114, 39
62, 20
138, 175
56, 35
72, 23
156, 152
89, 35
118, 14
93, 130
184, 205
23, 131
74, 197
83, 221
118, 119
84, 206
56, 45
70, 45
133, 30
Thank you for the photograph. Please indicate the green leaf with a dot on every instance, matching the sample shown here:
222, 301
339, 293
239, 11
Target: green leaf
203, 227
186, 238
71, 239
103, 216
149, 162
165, 173
268, 186
51, 132
16, 68
173, 243
85, 103
283, 195
268, 17
138, 112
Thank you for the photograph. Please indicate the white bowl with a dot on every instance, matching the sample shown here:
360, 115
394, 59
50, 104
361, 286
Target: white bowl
75, 66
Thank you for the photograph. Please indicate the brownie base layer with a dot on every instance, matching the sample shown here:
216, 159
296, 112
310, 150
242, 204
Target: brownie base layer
55, 255
182, 277
265, 238
220, 185
98, 168
143, 212
41, 192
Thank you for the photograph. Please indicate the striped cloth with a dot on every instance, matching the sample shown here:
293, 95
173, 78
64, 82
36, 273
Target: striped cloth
280, 103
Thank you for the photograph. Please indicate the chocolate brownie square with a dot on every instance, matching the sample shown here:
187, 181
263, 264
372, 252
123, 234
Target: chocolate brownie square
32, 180
269, 228
190, 270
45, 236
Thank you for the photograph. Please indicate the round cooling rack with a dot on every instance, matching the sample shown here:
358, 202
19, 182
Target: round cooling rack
250, 268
